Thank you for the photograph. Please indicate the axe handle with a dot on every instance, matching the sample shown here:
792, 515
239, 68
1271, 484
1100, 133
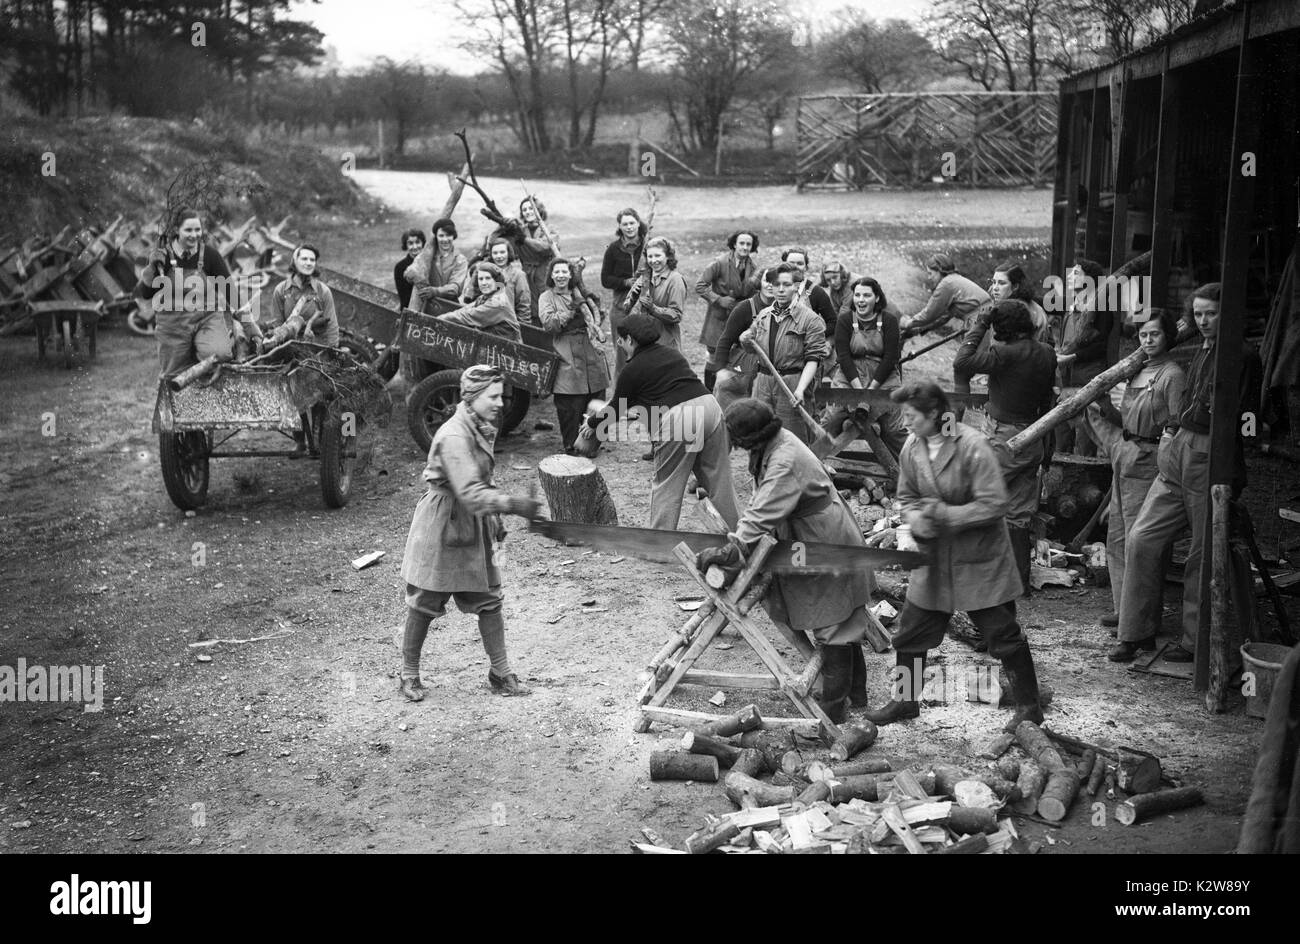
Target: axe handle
821, 441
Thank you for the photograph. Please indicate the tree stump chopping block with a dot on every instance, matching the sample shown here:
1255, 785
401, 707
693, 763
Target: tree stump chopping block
576, 491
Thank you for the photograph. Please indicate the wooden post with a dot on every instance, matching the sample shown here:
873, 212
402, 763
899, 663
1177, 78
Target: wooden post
1224, 416
1065, 190
1162, 214
1096, 156
1216, 697
1122, 129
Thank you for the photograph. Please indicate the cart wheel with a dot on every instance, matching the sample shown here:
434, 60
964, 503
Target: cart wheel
336, 469
184, 458
517, 401
431, 404
65, 325
359, 348
141, 321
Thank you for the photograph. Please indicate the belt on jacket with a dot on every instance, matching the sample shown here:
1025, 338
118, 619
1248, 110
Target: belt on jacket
813, 506
1134, 437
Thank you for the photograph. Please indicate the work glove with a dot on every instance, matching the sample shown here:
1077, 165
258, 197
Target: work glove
726, 302
586, 445
728, 555
523, 507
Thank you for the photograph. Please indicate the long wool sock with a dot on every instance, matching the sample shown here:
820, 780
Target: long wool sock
417, 627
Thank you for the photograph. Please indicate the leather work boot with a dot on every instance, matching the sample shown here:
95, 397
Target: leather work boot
510, 685
837, 676
858, 678
905, 700
1128, 651
1023, 677
412, 688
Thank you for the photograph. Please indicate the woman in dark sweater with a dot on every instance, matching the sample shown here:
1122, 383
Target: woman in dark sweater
685, 422
618, 270
412, 244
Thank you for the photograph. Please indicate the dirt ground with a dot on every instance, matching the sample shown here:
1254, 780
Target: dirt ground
300, 742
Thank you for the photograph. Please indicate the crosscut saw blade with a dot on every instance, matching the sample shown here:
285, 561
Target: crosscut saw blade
799, 557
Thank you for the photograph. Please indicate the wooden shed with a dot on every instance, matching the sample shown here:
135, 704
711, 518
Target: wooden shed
1189, 148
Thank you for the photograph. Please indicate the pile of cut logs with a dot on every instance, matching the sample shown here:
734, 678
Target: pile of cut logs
819, 799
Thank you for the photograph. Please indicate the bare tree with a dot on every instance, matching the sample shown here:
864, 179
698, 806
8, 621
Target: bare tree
520, 36
999, 40
714, 51
889, 56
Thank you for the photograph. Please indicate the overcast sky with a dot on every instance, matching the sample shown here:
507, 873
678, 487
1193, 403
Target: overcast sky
362, 30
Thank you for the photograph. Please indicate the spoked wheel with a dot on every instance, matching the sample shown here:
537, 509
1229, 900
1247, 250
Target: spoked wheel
517, 401
184, 458
359, 348
432, 403
141, 321
343, 454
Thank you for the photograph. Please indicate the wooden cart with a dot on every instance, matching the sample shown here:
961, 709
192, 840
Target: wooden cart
328, 397
440, 350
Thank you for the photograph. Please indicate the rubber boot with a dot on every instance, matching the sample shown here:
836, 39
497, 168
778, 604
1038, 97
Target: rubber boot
905, 699
501, 678
1023, 678
1022, 547
417, 628
858, 682
837, 676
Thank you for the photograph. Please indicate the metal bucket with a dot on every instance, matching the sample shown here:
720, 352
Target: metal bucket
1263, 661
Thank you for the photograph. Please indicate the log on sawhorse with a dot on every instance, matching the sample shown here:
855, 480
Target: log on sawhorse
730, 606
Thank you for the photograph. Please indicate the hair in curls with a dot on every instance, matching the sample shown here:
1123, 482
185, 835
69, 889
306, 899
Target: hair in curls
731, 240
413, 233
659, 242
923, 395
867, 280
550, 271
640, 223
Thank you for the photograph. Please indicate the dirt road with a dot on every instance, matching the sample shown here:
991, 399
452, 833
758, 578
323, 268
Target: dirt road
300, 742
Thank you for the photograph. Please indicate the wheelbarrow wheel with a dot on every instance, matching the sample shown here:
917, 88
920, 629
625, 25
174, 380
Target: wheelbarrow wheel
517, 400
141, 321
432, 402
359, 348
336, 466
184, 458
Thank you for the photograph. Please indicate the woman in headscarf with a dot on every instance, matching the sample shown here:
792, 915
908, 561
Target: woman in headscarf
1021, 374
795, 500
867, 347
838, 281
684, 421
722, 285
583, 373
1131, 436
493, 310
302, 305
618, 269
954, 501
450, 550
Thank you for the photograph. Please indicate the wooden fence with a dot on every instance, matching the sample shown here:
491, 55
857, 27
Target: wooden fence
970, 139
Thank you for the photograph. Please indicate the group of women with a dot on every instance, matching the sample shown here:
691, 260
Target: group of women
965, 497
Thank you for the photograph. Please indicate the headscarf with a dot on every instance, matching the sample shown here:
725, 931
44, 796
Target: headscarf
474, 380
942, 262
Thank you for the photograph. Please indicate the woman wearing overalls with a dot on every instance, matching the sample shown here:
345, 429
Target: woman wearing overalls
867, 346
1151, 402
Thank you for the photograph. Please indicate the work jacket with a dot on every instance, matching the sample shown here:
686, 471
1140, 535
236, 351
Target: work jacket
722, 278
582, 367
449, 546
971, 566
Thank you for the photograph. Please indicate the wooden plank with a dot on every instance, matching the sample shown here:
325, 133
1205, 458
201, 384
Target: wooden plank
716, 679
1162, 214
645, 848
892, 816
759, 817
1096, 158
1224, 415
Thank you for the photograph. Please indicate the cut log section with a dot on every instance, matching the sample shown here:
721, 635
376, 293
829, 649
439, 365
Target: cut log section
853, 739
674, 765
1098, 774
1057, 797
772, 744
576, 491
820, 771
1136, 771
947, 776
746, 792
708, 840
695, 743
1137, 808
749, 762
1008, 768
1037, 746
998, 746
971, 845
1030, 785
1086, 763
746, 719
972, 819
